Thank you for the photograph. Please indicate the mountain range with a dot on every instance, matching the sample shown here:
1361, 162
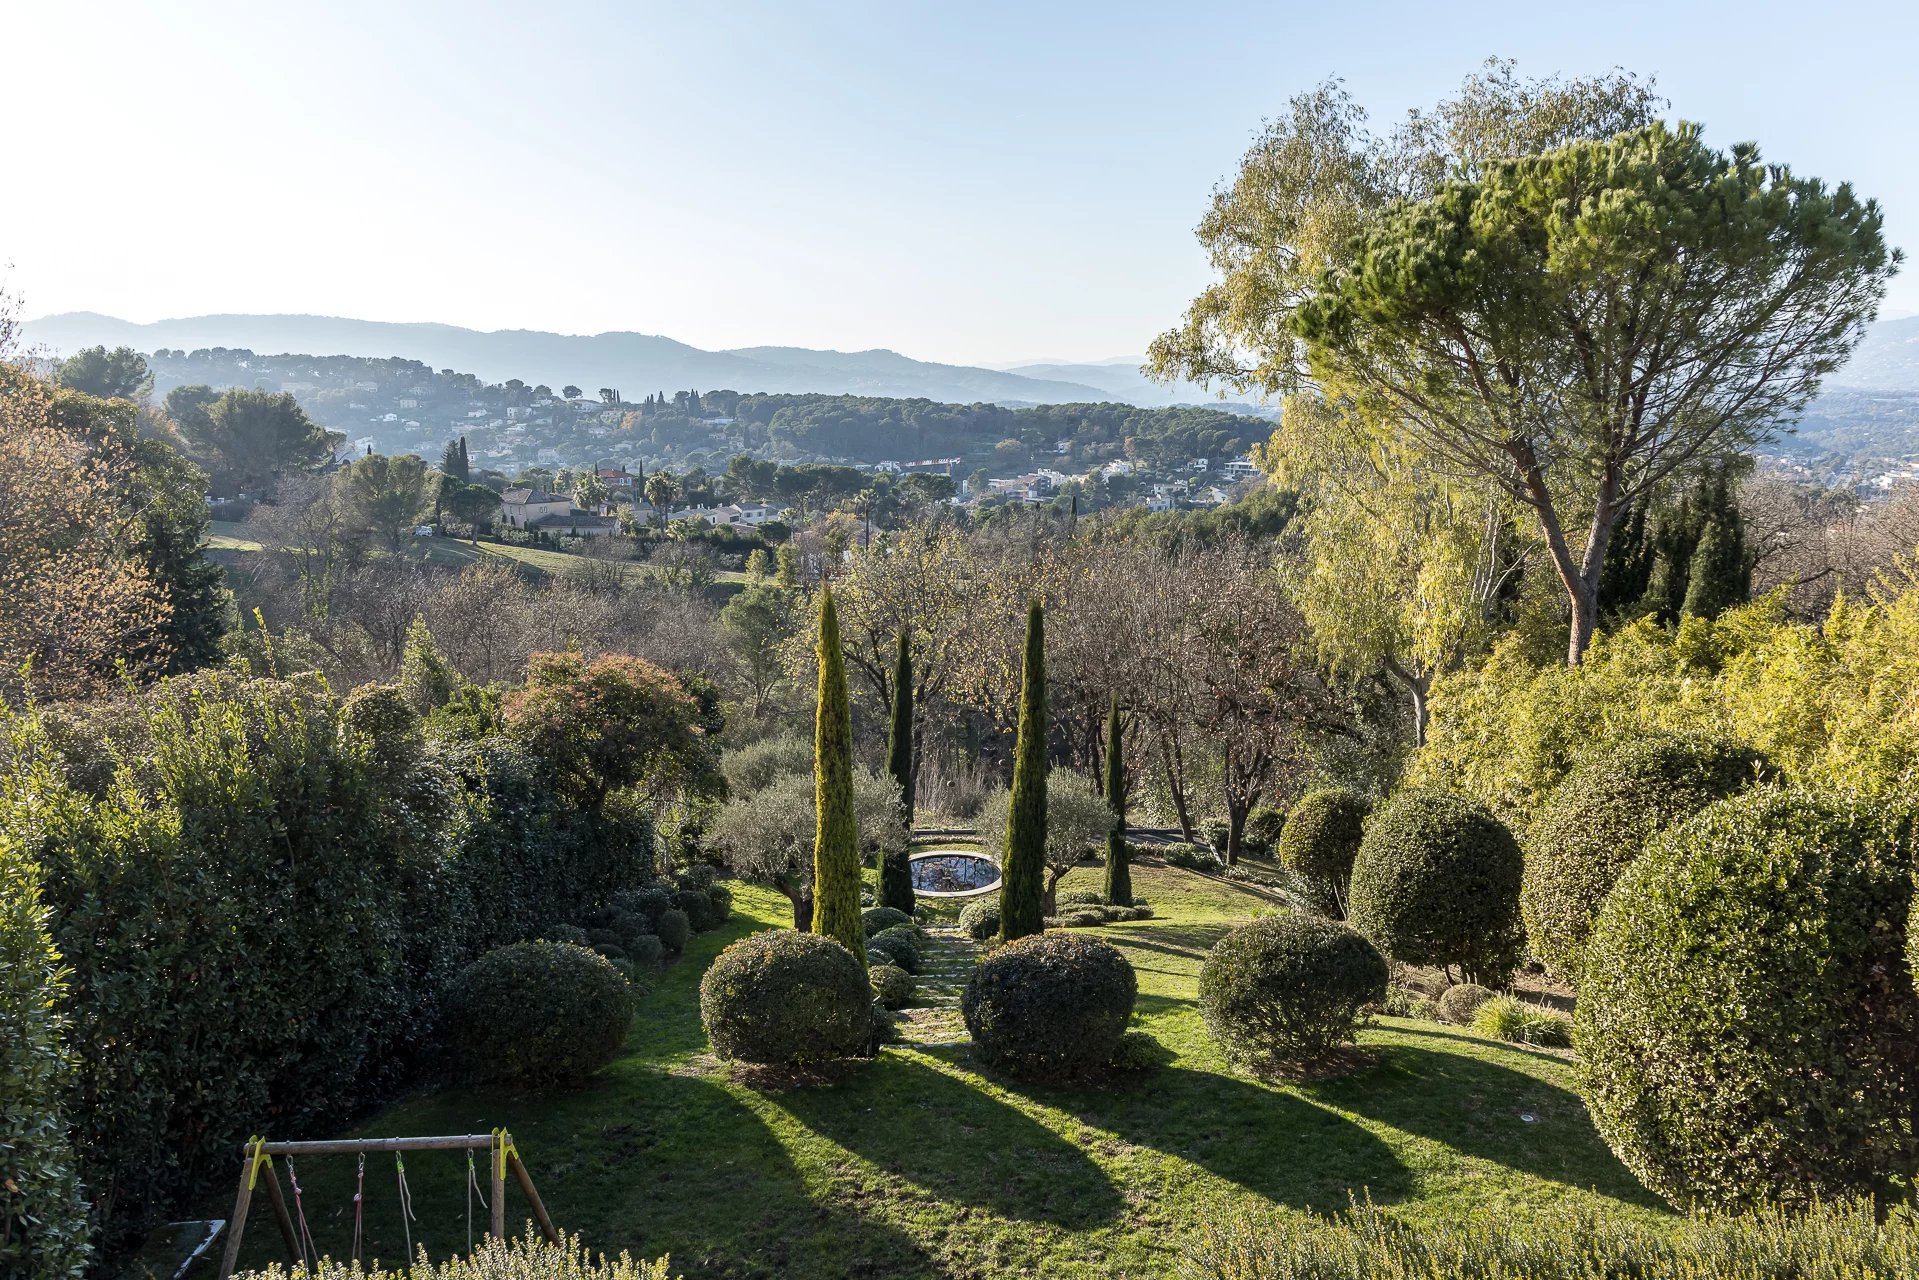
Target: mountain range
634, 363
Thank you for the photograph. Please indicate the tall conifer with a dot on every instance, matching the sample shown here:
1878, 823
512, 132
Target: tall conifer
1023, 866
896, 880
1119, 867
836, 848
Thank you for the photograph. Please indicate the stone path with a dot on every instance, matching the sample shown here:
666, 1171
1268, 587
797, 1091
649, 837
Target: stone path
947, 956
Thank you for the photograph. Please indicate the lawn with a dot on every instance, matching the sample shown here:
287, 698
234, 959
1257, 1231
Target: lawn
456, 553
917, 1164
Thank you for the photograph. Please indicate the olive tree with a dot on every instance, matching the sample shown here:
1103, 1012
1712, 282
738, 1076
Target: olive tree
1078, 820
766, 836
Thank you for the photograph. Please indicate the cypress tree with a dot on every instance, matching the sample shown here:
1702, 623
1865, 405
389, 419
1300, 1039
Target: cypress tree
836, 847
896, 880
1023, 866
1119, 868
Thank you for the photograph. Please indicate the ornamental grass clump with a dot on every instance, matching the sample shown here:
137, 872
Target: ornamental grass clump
1283, 993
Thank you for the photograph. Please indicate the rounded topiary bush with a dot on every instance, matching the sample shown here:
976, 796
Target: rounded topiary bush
1596, 821
1459, 1004
1050, 1004
902, 949
980, 919
1748, 1020
785, 998
537, 1013
1436, 881
1284, 991
1318, 842
892, 985
701, 915
674, 929
878, 918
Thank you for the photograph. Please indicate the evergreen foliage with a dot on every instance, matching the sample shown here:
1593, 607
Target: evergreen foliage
1747, 1018
836, 842
1050, 1005
537, 1013
785, 998
1119, 870
896, 881
1284, 991
1022, 892
1319, 841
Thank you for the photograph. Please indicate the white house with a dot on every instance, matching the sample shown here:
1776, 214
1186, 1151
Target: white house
524, 508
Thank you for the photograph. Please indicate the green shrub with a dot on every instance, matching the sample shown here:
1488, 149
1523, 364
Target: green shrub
698, 909
722, 899
1318, 842
1285, 991
1509, 1018
1436, 882
1595, 822
1049, 1005
1215, 832
566, 933
784, 998
648, 902
891, 984
1577, 1239
527, 1258
1404, 1002
674, 930
1263, 828
647, 952
1458, 1004
43, 1215
537, 1013
1191, 857
980, 919
878, 918
1082, 898
1083, 919
903, 951
1749, 1025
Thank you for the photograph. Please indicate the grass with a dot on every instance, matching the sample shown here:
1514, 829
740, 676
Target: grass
455, 553
917, 1164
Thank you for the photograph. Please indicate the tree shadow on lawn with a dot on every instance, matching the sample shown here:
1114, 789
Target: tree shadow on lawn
1273, 1143
958, 1143
1476, 1106
1188, 942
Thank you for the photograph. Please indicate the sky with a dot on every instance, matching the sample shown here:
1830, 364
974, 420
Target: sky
974, 183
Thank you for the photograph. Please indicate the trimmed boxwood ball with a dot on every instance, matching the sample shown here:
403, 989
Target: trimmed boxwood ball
903, 951
1284, 991
1459, 1004
785, 998
1747, 1016
1050, 1005
1318, 842
980, 919
698, 907
878, 918
892, 985
1263, 827
1598, 819
1437, 882
674, 930
537, 1013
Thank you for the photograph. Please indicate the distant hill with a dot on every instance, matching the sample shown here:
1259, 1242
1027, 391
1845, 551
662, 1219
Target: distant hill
1119, 380
635, 363
1888, 360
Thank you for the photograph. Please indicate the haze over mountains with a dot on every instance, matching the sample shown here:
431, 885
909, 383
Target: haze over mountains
634, 363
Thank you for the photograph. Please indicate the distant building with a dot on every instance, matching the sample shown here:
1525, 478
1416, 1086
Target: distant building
732, 516
525, 508
1240, 469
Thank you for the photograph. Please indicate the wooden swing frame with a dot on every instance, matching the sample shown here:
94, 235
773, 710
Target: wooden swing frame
256, 1157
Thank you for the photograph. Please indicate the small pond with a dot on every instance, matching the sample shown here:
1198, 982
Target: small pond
953, 873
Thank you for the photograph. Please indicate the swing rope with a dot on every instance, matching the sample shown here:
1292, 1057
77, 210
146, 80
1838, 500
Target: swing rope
307, 1246
472, 1189
406, 1202
359, 1201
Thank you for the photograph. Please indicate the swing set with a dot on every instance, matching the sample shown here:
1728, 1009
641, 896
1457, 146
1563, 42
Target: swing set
257, 1159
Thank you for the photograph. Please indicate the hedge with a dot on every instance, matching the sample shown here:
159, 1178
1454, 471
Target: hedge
1596, 821
1747, 1018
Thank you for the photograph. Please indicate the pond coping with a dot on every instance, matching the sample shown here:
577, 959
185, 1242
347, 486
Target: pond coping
959, 852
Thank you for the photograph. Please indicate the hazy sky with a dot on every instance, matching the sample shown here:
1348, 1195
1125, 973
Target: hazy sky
969, 182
